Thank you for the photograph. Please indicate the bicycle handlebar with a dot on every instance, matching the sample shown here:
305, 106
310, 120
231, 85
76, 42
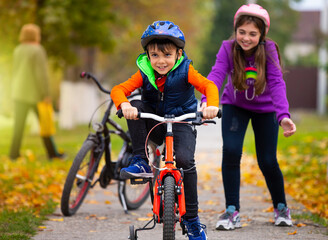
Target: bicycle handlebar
89, 75
198, 116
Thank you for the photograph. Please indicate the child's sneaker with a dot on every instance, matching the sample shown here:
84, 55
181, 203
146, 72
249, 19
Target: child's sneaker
138, 168
282, 216
229, 220
195, 230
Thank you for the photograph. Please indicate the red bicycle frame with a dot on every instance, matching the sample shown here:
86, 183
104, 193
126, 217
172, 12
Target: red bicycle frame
169, 168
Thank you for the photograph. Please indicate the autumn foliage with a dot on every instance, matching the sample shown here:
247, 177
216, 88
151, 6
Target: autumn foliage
304, 166
30, 183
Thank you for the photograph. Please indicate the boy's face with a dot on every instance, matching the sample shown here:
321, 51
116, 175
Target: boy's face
163, 62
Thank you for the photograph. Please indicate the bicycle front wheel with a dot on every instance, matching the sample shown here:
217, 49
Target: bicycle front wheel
136, 195
79, 178
169, 208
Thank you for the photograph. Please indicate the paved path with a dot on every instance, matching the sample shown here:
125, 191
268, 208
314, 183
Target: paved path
98, 220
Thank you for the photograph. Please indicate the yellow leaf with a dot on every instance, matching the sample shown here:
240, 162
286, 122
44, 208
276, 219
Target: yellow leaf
42, 227
101, 218
269, 209
244, 225
210, 202
108, 202
143, 219
57, 219
293, 233
92, 202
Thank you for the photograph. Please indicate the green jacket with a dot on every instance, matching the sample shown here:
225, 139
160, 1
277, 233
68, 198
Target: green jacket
30, 74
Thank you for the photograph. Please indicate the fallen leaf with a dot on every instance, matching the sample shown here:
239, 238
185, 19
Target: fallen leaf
301, 225
210, 202
57, 219
271, 220
269, 209
293, 233
143, 219
92, 202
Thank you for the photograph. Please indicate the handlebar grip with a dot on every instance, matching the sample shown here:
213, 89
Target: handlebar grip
219, 115
83, 74
119, 113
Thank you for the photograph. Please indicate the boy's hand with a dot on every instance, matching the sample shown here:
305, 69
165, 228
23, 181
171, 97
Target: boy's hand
129, 112
210, 112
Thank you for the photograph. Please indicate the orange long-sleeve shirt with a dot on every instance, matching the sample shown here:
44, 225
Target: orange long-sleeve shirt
120, 92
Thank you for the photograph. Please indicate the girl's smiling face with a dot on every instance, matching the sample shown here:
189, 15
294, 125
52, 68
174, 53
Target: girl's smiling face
163, 61
248, 36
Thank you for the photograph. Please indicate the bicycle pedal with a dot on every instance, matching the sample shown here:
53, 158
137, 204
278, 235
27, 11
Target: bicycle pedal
140, 180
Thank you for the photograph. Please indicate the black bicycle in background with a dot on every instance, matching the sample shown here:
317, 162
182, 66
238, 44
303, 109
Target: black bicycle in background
97, 147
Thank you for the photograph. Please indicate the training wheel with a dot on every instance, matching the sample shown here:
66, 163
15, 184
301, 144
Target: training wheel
132, 235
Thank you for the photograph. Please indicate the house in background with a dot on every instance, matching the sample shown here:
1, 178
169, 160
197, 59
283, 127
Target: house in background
302, 81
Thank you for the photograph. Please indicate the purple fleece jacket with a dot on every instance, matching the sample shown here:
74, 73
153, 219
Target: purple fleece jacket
273, 99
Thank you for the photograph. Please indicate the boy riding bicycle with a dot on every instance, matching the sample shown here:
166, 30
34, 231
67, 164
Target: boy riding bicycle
167, 79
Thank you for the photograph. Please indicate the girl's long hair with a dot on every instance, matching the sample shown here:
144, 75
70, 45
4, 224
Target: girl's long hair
238, 77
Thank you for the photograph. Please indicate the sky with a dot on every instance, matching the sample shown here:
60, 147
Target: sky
309, 5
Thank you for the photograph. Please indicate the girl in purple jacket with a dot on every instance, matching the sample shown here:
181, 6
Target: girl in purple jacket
255, 91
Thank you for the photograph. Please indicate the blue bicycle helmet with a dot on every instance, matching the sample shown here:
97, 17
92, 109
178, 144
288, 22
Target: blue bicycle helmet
163, 30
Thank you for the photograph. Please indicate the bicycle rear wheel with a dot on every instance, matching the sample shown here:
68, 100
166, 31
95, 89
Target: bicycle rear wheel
79, 178
169, 217
136, 195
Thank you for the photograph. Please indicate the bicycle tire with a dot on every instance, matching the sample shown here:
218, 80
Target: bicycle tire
169, 218
136, 195
132, 233
80, 177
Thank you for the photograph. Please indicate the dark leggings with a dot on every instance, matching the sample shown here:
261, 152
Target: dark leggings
184, 149
265, 126
21, 111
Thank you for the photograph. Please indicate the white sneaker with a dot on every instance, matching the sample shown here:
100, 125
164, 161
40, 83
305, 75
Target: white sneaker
282, 216
229, 220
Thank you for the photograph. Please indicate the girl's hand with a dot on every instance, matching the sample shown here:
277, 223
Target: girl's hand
288, 126
129, 112
210, 112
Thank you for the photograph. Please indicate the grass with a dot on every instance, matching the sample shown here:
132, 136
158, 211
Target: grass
22, 224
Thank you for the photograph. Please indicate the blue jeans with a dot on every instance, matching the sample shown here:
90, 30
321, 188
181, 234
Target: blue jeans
184, 149
265, 127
